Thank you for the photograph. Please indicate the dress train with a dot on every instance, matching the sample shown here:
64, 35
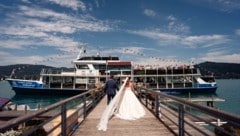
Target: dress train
130, 107
124, 105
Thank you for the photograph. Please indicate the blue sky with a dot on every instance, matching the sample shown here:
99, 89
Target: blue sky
163, 32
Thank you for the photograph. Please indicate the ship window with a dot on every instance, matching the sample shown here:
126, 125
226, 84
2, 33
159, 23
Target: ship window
151, 72
178, 71
161, 71
139, 72
99, 66
194, 71
126, 72
82, 66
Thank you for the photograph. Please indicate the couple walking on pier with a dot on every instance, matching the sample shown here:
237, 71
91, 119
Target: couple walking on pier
123, 105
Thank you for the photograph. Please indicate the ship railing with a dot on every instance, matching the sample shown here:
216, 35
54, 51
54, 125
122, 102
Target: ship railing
55, 71
61, 118
188, 118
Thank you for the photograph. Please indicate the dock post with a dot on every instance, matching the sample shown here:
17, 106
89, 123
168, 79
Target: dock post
84, 107
39, 106
146, 99
15, 107
181, 120
25, 109
189, 96
157, 106
64, 120
210, 104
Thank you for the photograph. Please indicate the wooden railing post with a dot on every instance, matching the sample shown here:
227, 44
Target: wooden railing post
146, 99
64, 119
157, 106
84, 107
181, 120
94, 97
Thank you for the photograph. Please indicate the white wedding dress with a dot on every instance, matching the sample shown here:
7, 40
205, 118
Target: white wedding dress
124, 105
130, 108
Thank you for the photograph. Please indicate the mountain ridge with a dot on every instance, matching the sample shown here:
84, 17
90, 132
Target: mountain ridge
219, 70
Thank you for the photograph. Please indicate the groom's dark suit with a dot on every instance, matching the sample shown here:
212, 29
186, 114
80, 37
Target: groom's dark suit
111, 87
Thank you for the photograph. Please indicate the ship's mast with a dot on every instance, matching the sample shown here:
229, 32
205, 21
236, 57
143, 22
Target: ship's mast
82, 50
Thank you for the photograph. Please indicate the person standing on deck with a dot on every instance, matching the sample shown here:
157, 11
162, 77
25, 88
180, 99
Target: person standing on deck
111, 87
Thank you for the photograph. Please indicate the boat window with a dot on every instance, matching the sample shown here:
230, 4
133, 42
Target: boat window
194, 71
151, 72
139, 79
99, 58
169, 71
161, 71
139, 72
82, 67
208, 79
126, 72
188, 71
161, 80
99, 66
178, 71
151, 79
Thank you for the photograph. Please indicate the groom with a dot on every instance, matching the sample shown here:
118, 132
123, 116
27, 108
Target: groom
110, 88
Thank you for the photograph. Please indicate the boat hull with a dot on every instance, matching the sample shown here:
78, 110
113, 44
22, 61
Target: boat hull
31, 87
194, 90
46, 91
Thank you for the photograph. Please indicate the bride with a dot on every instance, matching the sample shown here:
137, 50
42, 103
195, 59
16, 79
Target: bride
130, 108
124, 105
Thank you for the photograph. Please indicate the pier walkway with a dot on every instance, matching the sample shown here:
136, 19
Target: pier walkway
148, 125
165, 115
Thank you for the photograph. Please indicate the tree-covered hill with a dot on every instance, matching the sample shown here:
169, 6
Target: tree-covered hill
219, 70
21, 70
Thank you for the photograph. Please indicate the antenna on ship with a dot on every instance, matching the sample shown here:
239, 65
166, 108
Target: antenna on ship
82, 50
98, 51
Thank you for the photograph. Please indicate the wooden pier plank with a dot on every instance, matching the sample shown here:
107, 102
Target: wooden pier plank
148, 125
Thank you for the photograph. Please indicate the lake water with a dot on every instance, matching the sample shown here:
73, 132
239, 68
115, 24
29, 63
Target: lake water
31, 100
227, 89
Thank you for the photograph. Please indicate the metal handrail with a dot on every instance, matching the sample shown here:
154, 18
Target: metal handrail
89, 100
153, 100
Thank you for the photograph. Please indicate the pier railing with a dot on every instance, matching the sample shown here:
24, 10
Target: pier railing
60, 118
184, 117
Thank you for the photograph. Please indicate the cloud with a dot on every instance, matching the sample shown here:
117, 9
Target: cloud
15, 43
205, 40
149, 13
7, 58
176, 26
35, 26
83, 22
227, 5
237, 32
73, 4
26, 1
40, 26
221, 56
97, 3
220, 5
166, 39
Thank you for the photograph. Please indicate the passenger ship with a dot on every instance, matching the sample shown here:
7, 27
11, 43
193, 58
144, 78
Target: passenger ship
92, 71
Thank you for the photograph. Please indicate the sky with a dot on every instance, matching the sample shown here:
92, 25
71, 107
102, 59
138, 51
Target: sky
163, 32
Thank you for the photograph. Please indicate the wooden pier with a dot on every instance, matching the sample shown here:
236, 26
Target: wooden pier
170, 117
148, 125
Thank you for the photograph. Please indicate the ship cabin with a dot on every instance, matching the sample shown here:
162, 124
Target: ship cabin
159, 77
88, 73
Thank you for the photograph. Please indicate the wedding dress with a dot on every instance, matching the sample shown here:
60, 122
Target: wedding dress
130, 108
124, 105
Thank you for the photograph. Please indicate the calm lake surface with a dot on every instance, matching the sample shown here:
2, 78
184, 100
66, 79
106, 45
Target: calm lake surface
227, 89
